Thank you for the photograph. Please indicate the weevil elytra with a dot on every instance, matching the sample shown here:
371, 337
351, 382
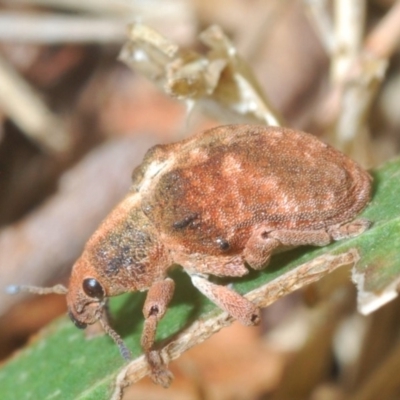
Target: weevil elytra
216, 204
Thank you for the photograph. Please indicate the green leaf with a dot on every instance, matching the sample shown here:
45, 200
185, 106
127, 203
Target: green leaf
61, 364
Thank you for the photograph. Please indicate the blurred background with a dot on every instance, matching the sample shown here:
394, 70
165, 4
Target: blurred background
75, 121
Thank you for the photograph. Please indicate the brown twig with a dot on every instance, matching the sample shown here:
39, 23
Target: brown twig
25, 107
383, 41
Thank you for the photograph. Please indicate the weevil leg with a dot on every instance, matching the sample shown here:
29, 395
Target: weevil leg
318, 237
155, 307
349, 230
230, 301
258, 249
321, 237
219, 266
262, 243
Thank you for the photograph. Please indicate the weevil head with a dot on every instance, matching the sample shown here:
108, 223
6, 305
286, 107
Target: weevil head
86, 299
124, 255
86, 295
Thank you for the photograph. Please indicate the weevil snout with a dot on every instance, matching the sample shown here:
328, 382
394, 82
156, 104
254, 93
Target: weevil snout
84, 312
78, 324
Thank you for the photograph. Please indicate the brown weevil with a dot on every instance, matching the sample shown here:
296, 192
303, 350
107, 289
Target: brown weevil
216, 204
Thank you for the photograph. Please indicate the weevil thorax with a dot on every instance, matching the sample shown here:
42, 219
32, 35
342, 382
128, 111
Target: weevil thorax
123, 255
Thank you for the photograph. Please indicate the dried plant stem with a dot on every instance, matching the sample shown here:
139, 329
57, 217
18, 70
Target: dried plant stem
251, 39
318, 11
101, 21
311, 365
350, 130
94, 6
25, 107
51, 28
174, 8
221, 82
354, 87
383, 383
349, 21
384, 39
378, 341
263, 296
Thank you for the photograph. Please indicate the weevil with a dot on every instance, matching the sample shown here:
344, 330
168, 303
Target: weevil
216, 204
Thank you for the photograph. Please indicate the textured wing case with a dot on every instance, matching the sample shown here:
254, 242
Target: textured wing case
219, 185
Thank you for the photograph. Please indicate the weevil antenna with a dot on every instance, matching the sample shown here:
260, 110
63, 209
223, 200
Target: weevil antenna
57, 289
125, 352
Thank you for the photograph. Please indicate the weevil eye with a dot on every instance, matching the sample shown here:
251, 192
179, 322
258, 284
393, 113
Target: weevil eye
93, 288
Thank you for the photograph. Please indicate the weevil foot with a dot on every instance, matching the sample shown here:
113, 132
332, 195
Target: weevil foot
159, 373
162, 377
228, 300
349, 230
